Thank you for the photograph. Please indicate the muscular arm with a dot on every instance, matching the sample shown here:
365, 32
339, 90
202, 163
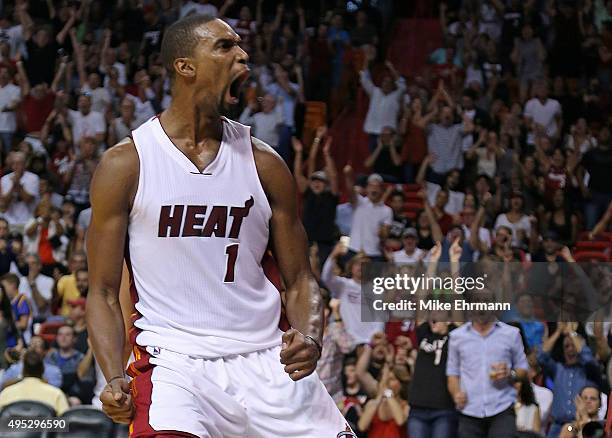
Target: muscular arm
289, 244
112, 191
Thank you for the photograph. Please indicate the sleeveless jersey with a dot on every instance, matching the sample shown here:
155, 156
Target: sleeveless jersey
195, 245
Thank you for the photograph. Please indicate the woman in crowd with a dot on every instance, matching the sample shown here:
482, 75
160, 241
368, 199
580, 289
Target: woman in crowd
526, 408
385, 415
560, 219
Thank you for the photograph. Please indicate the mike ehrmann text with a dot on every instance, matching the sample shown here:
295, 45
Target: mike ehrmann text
430, 305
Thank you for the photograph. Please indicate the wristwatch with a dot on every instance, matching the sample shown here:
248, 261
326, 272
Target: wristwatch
513, 376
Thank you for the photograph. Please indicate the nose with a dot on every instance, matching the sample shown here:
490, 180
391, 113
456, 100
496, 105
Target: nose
242, 56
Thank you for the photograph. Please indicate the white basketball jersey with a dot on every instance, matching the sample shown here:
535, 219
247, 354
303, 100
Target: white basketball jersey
196, 242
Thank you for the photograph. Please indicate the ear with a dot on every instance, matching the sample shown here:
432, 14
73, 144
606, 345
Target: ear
184, 67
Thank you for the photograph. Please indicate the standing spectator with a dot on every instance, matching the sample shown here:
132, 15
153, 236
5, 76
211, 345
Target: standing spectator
393, 239
336, 343
348, 291
38, 288
578, 369
8, 329
289, 94
85, 122
598, 162
385, 102
320, 195
69, 361
385, 159
526, 408
528, 55
22, 309
81, 170
52, 374
445, 144
371, 218
265, 123
19, 191
67, 285
385, 415
543, 114
43, 235
410, 253
10, 96
432, 410
516, 220
122, 126
484, 357
33, 388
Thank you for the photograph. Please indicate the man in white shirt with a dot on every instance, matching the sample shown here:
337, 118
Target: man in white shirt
85, 122
19, 192
410, 253
542, 113
370, 217
10, 96
265, 123
101, 97
37, 287
385, 102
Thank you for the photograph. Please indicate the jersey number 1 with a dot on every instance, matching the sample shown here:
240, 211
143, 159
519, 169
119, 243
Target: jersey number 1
232, 254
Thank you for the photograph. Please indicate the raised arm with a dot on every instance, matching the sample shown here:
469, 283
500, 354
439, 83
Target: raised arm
300, 179
301, 343
61, 36
112, 191
24, 82
330, 166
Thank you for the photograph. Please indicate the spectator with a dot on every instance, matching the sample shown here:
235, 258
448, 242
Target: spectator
543, 114
516, 220
577, 370
432, 410
587, 402
71, 362
10, 96
385, 415
19, 191
80, 173
22, 309
526, 408
67, 285
43, 235
385, 159
123, 125
77, 315
393, 240
479, 382
52, 374
85, 122
38, 288
33, 388
371, 218
445, 142
348, 291
598, 162
410, 253
385, 102
265, 123
8, 330
336, 343
320, 194
528, 55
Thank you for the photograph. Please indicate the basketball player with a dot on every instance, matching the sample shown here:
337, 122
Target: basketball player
192, 200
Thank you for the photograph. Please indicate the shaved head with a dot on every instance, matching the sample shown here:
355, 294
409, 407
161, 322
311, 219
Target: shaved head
181, 39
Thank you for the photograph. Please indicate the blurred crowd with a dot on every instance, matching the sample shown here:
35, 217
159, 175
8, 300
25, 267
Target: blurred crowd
497, 150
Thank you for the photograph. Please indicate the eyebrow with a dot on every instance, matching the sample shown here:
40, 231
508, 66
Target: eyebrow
234, 40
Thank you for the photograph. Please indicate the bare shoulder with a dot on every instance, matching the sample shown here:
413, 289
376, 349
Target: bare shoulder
117, 173
273, 172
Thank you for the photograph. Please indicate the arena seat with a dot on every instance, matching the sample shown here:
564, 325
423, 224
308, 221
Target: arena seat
88, 422
593, 245
587, 256
26, 408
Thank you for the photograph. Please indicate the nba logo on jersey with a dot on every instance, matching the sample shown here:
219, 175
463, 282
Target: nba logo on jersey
156, 350
346, 435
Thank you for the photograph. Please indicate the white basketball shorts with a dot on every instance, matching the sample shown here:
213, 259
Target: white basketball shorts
239, 396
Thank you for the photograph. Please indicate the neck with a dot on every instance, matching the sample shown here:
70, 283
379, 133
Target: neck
65, 351
482, 327
183, 120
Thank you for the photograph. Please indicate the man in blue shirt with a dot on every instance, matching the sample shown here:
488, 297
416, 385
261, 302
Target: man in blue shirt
485, 357
51, 374
578, 369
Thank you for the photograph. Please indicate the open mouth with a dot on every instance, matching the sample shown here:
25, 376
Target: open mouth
232, 95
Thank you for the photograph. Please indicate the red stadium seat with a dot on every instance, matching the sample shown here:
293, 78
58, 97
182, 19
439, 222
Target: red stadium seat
413, 206
588, 256
593, 245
